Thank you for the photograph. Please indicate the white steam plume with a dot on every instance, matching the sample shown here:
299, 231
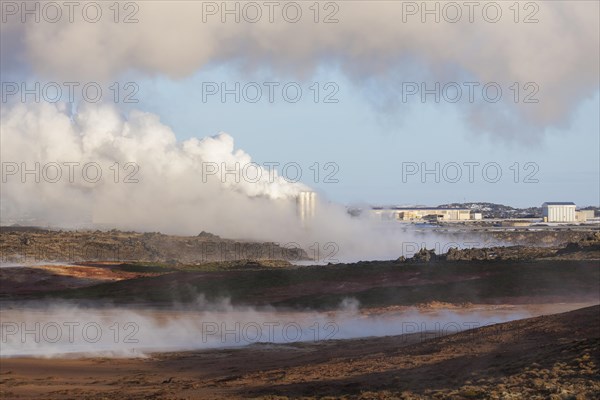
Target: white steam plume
61, 330
171, 195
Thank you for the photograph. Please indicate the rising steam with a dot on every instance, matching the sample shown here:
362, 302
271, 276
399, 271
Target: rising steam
171, 194
63, 329
171, 186
372, 42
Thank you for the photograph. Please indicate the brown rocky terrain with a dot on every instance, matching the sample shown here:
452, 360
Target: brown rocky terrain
45, 277
585, 248
547, 357
516, 274
30, 245
538, 237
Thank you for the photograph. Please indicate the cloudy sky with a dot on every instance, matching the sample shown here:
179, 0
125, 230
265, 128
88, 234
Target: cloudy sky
376, 102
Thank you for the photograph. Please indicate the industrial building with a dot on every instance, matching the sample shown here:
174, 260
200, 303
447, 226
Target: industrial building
477, 216
423, 213
584, 215
558, 212
306, 204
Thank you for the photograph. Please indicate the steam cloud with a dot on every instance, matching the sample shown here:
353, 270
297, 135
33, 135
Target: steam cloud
171, 195
172, 190
380, 42
63, 329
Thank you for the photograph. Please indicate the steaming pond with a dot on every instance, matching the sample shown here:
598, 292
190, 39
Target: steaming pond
68, 329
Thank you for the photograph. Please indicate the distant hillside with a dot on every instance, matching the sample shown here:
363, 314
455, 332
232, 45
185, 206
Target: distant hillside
491, 210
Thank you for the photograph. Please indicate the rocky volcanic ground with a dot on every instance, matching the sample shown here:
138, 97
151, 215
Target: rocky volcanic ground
585, 247
494, 275
30, 245
27, 245
548, 357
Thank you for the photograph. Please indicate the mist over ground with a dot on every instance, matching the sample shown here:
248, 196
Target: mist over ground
63, 328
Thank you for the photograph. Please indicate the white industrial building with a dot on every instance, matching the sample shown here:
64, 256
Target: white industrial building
584, 215
558, 212
423, 213
306, 204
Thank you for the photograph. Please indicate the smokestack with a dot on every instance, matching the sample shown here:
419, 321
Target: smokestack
306, 206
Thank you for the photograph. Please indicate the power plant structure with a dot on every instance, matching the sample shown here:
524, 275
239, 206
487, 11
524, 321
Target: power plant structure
559, 211
306, 204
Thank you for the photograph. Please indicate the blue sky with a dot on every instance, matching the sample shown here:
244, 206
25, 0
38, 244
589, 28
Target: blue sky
370, 144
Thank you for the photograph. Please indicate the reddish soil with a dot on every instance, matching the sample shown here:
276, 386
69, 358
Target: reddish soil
41, 278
